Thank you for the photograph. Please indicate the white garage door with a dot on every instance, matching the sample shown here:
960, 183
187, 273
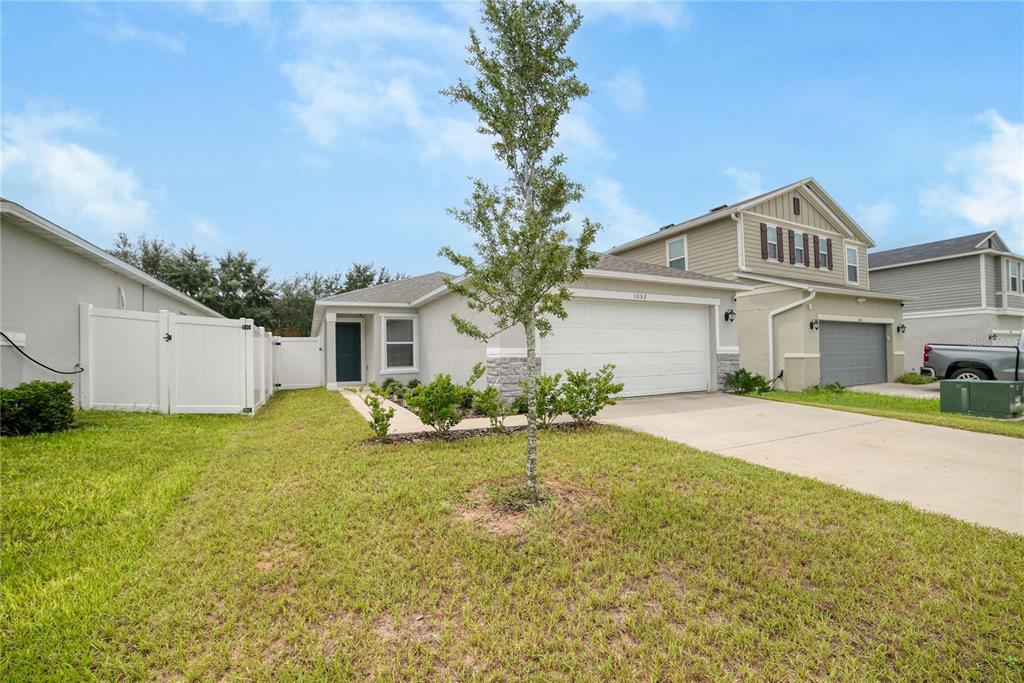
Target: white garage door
657, 348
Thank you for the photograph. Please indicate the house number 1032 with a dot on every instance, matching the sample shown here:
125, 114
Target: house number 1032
639, 296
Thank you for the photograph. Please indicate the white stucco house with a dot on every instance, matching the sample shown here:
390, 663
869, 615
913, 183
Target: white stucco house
665, 329
46, 272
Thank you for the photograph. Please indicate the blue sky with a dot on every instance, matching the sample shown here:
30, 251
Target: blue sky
312, 135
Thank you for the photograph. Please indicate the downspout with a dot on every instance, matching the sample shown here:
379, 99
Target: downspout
771, 328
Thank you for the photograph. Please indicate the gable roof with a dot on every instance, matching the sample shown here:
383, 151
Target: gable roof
17, 215
810, 186
397, 292
928, 251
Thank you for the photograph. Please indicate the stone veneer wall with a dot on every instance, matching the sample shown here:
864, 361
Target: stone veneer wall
507, 374
725, 362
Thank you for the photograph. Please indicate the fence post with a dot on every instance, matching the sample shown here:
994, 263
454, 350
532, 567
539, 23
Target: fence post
250, 380
163, 357
85, 355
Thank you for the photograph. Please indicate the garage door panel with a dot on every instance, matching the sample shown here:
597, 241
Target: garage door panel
656, 347
852, 353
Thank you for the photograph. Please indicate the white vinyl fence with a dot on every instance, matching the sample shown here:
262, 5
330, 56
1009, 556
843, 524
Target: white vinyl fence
173, 363
298, 362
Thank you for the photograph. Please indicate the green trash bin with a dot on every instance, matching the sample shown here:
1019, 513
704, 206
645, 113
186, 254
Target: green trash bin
981, 398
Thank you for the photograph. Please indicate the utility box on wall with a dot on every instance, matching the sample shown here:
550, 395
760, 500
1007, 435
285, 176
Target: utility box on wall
982, 398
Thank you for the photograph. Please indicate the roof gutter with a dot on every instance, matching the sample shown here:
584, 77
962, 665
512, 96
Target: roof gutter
771, 327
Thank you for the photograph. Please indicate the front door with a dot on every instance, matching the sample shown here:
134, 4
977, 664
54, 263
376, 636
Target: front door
348, 352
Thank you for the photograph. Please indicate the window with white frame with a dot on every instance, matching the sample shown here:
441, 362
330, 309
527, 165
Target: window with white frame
773, 243
798, 248
823, 253
677, 253
399, 342
1015, 269
852, 264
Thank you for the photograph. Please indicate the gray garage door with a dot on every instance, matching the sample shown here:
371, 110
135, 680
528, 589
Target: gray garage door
852, 353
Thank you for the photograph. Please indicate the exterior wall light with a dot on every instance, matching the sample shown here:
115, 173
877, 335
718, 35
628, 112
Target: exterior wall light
730, 315
815, 324
901, 328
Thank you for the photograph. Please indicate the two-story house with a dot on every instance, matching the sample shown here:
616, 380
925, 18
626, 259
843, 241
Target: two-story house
811, 316
966, 290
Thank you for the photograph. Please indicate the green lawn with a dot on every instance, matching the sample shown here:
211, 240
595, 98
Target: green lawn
281, 546
923, 410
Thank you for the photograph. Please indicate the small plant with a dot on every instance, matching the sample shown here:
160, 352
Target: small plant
549, 399
914, 378
380, 417
488, 402
36, 407
744, 382
520, 405
391, 387
413, 383
584, 395
832, 388
442, 404
514, 498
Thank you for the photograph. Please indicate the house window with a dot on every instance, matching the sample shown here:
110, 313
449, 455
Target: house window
1015, 273
852, 265
798, 248
773, 244
677, 253
399, 343
823, 253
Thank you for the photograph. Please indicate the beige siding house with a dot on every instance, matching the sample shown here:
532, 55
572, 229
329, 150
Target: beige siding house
45, 273
811, 315
966, 290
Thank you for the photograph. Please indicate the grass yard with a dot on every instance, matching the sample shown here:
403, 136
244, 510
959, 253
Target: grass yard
923, 410
146, 547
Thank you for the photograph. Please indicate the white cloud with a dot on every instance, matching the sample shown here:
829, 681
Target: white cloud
748, 183
875, 218
72, 181
988, 186
204, 228
124, 32
254, 14
627, 90
576, 134
364, 26
665, 14
621, 220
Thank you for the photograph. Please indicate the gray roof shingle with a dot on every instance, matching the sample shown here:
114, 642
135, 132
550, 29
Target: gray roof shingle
398, 292
965, 244
621, 264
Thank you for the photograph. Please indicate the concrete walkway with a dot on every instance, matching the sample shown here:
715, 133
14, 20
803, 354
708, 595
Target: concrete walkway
974, 477
896, 389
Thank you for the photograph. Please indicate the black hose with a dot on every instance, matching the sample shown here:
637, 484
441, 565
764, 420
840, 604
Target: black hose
42, 365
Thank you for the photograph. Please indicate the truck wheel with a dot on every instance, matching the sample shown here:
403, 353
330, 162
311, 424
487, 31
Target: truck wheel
970, 374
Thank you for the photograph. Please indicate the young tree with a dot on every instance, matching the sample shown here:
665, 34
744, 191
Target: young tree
524, 259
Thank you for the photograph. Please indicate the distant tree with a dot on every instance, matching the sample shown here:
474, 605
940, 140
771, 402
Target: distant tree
296, 297
244, 288
524, 83
363, 275
192, 272
151, 256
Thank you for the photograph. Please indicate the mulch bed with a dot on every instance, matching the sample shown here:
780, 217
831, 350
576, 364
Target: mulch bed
459, 434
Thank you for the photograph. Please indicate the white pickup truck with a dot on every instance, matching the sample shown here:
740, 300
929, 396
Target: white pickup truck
959, 361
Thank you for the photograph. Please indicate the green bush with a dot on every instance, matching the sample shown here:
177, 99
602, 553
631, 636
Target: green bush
549, 399
833, 388
520, 405
585, 394
442, 404
914, 378
744, 382
488, 402
36, 407
380, 417
391, 387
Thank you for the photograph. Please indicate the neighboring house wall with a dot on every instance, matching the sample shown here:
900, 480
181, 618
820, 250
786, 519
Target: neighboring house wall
974, 328
993, 280
42, 285
939, 285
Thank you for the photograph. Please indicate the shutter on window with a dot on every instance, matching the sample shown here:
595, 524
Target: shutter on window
796, 206
778, 239
764, 241
792, 246
817, 253
829, 245
807, 255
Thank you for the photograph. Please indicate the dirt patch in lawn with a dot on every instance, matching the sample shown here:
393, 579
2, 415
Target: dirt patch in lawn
501, 507
412, 628
279, 555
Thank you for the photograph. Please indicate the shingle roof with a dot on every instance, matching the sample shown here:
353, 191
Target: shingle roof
823, 286
398, 292
621, 264
965, 244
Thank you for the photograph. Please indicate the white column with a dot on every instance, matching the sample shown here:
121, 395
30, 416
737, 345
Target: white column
329, 357
85, 355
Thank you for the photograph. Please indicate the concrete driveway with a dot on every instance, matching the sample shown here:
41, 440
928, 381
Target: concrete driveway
975, 477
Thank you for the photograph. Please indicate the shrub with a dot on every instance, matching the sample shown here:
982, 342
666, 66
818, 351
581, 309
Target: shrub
441, 404
549, 399
914, 378
520, 405
391, 387
833, 388
36, 407
743, 382
585, 394
380, 417
413, 383
488, 403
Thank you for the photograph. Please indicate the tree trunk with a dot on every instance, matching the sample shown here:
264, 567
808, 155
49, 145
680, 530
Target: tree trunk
531, 403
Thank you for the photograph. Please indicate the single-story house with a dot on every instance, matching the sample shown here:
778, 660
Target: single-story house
811, 315
45, 273
664, 328
966, 290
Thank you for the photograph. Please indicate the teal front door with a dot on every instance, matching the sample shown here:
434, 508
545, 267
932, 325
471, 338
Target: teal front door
348, 352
